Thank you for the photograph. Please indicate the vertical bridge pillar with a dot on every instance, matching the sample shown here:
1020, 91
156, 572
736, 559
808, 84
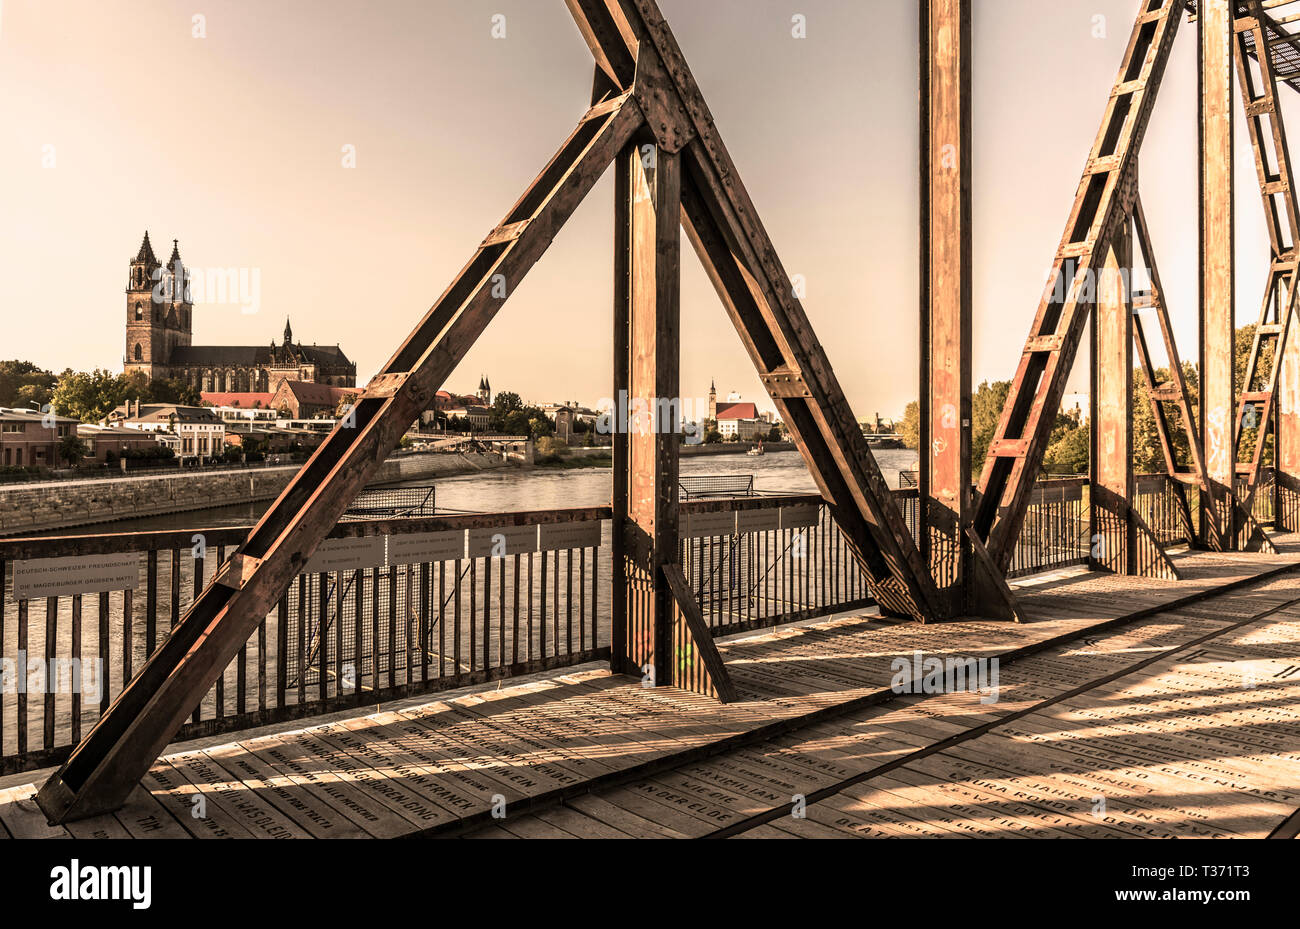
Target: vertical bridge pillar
1217, 292
965, 578
1121, 542
658, 630
945, 414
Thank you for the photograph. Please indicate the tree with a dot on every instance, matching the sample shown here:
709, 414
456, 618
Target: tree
72, 449
986, 405
88, 396
986, 409
515, 423
503, 405
910, 431
23, 384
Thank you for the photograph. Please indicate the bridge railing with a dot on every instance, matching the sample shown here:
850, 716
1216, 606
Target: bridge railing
755, 562
396, 608
412, 605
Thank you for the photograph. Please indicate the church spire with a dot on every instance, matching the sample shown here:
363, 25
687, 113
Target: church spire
176, 252
146, 251
288, 333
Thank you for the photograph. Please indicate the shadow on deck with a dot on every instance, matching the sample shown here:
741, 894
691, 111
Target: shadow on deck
1180, 745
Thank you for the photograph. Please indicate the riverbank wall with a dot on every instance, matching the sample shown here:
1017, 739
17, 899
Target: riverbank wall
65, 504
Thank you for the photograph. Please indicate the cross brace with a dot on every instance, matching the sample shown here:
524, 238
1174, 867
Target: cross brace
1102, 205
642, 84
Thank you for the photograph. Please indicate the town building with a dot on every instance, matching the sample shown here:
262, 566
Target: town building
739, 420
29, 438
239, 414
475, 407
305, 400
198, 432
117, 440
477, 416
159, 339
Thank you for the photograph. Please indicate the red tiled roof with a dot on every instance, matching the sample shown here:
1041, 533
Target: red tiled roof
737, 411
310, 392
247, 401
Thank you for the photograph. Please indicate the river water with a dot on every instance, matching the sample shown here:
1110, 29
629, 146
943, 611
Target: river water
507, 490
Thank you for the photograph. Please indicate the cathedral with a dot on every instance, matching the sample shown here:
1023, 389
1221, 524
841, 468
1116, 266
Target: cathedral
160, 322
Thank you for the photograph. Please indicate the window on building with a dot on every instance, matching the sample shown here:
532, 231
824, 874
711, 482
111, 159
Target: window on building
139, 352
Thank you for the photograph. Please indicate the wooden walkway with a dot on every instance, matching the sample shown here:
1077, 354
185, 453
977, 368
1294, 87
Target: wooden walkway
1124, 707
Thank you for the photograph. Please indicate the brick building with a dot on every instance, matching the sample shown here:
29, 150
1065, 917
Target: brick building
31, 439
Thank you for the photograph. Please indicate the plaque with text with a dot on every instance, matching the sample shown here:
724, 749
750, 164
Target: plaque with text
758, 520
75, 574
416, 547
585, 534
347, 554
799, 517
694, 525
502, 540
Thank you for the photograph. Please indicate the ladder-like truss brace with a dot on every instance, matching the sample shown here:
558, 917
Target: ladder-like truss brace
1107, 215
1102, 208
1173, 392
1121, 540
643, 90
1259, 404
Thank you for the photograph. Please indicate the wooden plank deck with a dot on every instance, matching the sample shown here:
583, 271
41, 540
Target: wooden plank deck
1093, 705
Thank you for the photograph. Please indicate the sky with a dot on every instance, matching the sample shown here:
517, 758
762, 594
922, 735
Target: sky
115, 117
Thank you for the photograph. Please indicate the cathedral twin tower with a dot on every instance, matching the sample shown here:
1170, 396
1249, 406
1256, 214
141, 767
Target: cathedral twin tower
159, 332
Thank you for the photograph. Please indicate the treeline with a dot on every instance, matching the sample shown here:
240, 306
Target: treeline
1067, 451
88, 396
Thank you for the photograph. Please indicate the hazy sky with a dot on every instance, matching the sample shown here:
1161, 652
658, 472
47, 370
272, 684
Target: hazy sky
233, 143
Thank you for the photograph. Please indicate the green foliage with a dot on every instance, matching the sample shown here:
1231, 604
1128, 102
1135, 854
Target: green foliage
986, 405
986, 408
72, 449
23, 384
88, 396
1067, 450
548, 448
158, 452
910, 431
712, 435
91, 396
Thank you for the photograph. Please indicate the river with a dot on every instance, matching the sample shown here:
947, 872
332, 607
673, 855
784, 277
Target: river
511, 489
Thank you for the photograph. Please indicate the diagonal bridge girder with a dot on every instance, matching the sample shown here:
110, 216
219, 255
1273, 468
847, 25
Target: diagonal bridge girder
741, 261
642, 88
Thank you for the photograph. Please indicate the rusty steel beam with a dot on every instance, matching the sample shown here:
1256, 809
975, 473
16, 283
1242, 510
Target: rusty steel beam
117, 752
1102, 204
1175, 391
946, 271
657, 640
643, 91
1268, 402
739, 257
1218, 291
1121, 541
